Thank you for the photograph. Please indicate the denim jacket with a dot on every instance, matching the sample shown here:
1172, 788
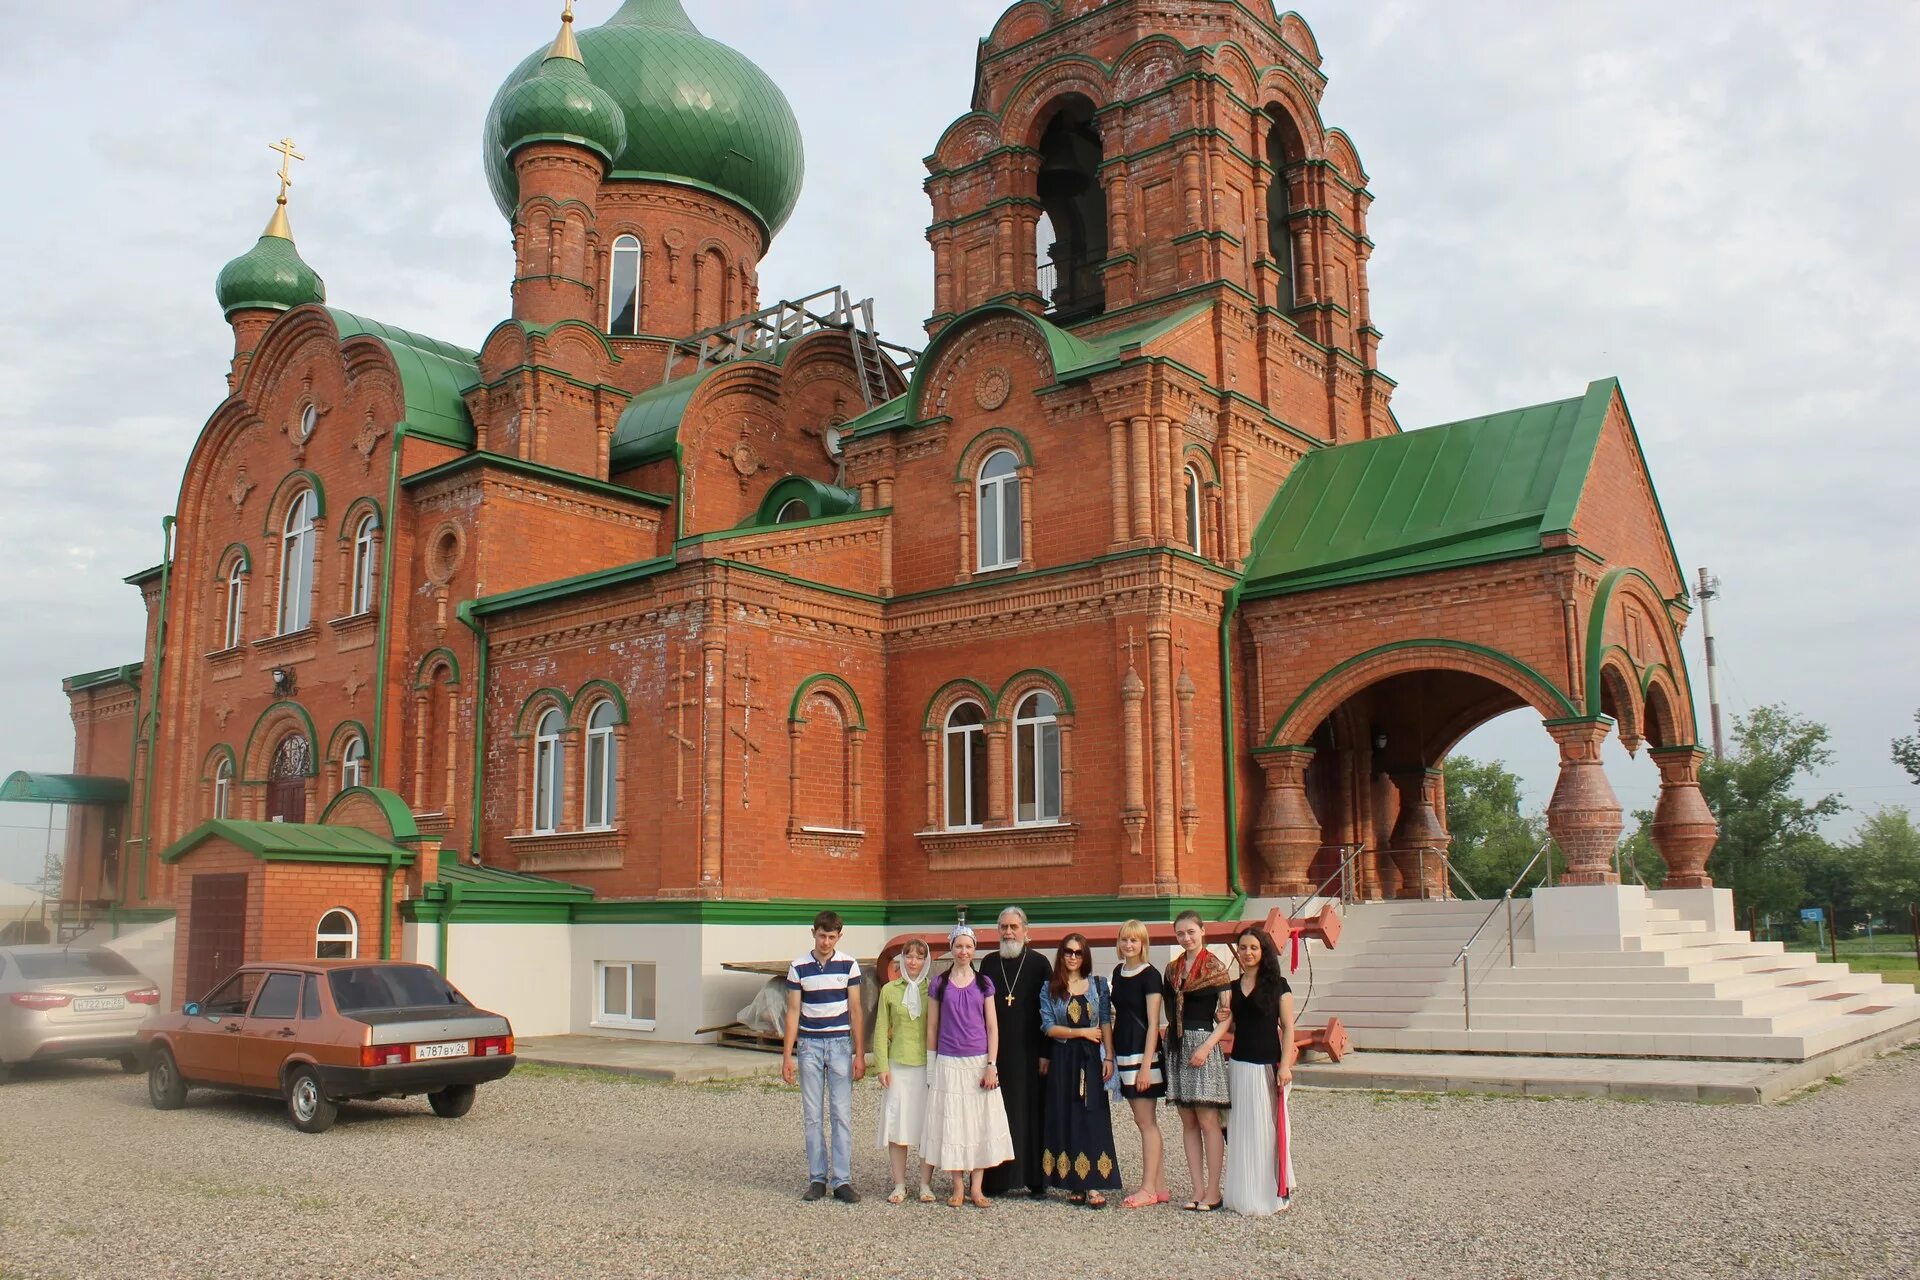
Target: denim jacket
1053, 1013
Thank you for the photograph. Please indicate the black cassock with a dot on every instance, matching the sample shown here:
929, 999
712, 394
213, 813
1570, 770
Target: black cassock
1022, 1047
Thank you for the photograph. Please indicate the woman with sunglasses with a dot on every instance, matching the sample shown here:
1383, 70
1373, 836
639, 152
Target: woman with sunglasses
1259, 1178
1076, 1013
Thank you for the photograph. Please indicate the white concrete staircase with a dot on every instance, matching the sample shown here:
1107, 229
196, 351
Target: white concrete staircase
1676, 987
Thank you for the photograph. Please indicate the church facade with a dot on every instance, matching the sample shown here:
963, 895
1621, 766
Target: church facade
628, 637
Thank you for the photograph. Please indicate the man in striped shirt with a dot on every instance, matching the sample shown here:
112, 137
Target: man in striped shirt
823, 1016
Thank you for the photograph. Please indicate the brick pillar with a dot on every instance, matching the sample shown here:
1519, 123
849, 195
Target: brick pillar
1133, 814
1584, 814
1117, 462
999, 813
1142, 486
1286, 835
1160, 660
1683, 827
1419, 840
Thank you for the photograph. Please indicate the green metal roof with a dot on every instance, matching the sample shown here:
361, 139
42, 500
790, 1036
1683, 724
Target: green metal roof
432, 376
494, 880
271, 276
697, 113
63, 788
650, 424
127, 673
561, 103
293, 842
821, 499
1483, 489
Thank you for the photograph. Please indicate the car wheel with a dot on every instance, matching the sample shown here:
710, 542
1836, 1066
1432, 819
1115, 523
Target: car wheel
165, 1089
129, 1063
307, 1104
452, 1102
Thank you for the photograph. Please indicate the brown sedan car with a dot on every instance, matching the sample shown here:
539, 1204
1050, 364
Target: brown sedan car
318, 1033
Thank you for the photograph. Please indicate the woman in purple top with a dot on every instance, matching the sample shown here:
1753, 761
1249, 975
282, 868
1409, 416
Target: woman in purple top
966, 1129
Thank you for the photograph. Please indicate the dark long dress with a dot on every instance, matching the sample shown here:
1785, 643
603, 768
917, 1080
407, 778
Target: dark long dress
1023, 1046
1079, 1155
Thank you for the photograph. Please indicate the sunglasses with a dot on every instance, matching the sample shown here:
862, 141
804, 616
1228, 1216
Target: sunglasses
1073, 951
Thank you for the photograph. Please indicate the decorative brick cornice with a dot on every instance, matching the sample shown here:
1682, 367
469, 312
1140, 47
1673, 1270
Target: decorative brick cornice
1000, 848
569, 851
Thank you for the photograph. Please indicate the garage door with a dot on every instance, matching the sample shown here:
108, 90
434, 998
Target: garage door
216, 932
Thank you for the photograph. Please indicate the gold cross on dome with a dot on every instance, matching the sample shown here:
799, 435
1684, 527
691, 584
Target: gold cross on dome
287, 156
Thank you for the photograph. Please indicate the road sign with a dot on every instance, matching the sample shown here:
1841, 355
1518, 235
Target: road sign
1812, 915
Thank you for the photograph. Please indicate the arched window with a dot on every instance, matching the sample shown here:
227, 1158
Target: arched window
1036, 759
338, 937
792, 510
1075, 204
362, 601
222, 788
353, 762
1284, 151
236, 604
966, 764
296, 565
623, 288
999, 510
1194, 540
602, 765
547, 751
287, 779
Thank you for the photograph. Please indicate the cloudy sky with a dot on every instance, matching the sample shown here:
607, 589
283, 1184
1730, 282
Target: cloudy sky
1712, 201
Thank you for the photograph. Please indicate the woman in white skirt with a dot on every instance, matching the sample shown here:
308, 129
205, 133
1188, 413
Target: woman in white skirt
1260, 1179
966, 1128
900, 1056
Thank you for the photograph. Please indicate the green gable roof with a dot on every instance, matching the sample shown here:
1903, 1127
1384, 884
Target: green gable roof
432, 376
1484, 489
650, 424
127, 674
63, 788
293, 842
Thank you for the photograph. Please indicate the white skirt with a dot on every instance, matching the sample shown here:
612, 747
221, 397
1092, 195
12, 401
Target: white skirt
904, 1113
966, 1126
1254, 1143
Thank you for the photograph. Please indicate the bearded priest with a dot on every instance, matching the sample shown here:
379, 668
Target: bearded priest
1019, 975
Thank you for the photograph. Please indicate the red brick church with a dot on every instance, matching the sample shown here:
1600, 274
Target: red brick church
661, 614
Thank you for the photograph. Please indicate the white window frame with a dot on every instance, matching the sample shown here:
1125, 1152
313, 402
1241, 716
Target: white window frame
997, 506
222, 788
799, 511
627, 244
630, 1019
361, 601
601, 764
296, 565
1194, 504
1030, 731
957, 737
351, 937
548, 770
236, 604
353, 762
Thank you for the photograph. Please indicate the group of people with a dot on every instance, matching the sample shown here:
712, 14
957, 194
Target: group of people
1004, 1072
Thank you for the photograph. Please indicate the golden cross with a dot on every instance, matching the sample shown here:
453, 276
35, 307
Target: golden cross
287, 156
567, 14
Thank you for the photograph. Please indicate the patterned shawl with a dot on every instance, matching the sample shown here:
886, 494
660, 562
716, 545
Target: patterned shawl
1204, 971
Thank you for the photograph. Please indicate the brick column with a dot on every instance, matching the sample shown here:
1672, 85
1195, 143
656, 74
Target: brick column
1683, 827
1142, 480
1584, 814
998, 767
1286, 835
1133, 813
1117, 461
1419, 841
1160, 660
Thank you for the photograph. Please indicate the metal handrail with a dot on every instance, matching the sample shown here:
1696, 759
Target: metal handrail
1506, 899
1465, 883
1346, 889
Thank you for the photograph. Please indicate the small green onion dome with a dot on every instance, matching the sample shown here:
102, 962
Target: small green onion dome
560, 102
697, 113
271, 276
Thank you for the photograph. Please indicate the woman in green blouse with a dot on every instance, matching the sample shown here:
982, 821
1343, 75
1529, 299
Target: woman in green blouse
900, 1054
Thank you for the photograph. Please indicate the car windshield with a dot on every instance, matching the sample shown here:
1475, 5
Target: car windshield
390, 987
59, 966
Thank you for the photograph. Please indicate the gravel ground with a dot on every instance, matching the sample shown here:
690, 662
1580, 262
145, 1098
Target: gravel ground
564, 1174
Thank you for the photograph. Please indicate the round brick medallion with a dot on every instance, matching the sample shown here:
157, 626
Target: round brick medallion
992, 388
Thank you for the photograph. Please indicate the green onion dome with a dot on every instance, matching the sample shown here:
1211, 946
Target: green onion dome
561, 103
271, 276
696, 113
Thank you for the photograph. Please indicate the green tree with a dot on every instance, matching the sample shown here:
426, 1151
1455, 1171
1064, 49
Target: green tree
1906, 752
1492, 839
1885, 858
1769, 834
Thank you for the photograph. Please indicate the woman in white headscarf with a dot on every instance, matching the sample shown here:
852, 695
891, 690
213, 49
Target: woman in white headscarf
900, 1056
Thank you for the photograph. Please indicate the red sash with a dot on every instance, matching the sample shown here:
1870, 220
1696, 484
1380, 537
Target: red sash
1280, 1139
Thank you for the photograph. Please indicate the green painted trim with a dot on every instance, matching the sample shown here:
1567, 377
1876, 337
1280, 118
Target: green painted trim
153, 703
845, 593
819, 678
537, 471
1229, 737
400, 824
376, 749
960, 475
1582, 443
758, 530
440, 907
280, 490
218, 750
313, 737
265, 841
1053, 679
420, 668
246, 561
350, 519
1001, 579
127, 673
580, 584
342, 731
1596, 638
987, 700
541, 696
608, 687
1541, 683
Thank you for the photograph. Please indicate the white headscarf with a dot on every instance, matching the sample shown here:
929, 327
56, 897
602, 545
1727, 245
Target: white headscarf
910, 999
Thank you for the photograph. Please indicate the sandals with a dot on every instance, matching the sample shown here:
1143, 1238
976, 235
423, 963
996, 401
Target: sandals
1144, 1200
981, 1202
926, 1195
897, 1196
1197, 1206
957, 1200
1091, 1199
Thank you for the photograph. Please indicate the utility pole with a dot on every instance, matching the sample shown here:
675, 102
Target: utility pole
1709, 588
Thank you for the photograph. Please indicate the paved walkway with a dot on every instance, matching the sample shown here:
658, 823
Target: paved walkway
649, 1059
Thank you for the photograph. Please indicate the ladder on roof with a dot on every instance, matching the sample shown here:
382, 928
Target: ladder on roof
765, 331
867, 358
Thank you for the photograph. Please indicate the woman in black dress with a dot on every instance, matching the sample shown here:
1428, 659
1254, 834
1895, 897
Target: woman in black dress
1074, 1011
1137, 996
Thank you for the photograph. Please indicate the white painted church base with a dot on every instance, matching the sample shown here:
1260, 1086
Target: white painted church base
1588, 917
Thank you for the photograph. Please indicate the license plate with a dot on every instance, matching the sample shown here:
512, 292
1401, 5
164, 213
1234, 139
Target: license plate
99, 1004
445, 1049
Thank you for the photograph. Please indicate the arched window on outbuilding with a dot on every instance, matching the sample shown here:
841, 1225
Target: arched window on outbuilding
338, 937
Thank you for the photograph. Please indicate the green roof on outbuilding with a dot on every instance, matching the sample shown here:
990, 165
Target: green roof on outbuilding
432, 376
1486, 488
293, 842
63, 788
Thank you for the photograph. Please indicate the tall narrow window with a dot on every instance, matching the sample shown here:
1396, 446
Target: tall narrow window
1284, 150
601, 765
623, 288
338, 937
296, 566
547, 772
1194, 540
353, 762
362, 601
966, 765
236, 604
1036, 759
999, 511
222, 788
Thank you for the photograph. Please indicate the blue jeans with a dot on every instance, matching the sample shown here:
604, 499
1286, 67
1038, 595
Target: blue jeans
826, 1085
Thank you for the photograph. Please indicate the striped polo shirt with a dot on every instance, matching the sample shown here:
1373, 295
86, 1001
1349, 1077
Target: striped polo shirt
823, 993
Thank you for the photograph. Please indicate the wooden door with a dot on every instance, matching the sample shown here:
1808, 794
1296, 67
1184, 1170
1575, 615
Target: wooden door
217, 938
287, 780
